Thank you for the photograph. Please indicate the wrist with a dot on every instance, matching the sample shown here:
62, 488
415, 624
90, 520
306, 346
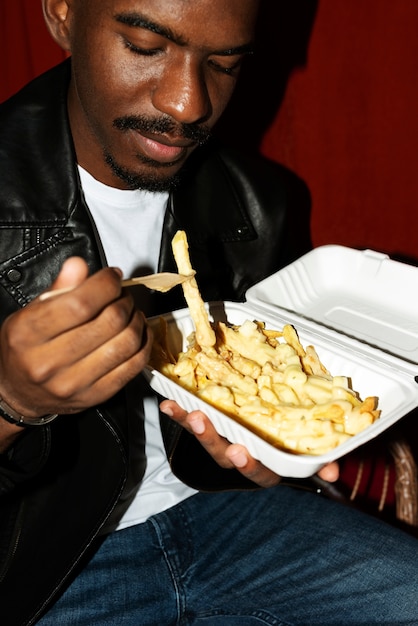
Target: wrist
11, 416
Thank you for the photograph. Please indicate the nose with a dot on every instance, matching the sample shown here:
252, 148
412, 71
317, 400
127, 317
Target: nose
182, 94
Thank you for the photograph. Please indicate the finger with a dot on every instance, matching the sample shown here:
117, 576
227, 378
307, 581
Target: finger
250, 467
78, 306
330, 472
109, 384
69, 392
199, 425
128, 351
73, 272
202, 428
77, 343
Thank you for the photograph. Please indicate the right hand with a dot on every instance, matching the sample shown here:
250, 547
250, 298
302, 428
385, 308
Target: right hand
74, 350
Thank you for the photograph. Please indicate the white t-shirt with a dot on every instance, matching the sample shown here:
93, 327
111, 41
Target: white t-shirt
129, 224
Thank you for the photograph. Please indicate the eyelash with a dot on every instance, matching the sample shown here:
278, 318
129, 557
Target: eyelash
147, 52
229, 71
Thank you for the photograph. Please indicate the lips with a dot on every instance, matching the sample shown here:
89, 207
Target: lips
158, 151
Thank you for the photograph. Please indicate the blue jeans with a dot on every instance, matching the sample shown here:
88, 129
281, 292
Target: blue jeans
278, 556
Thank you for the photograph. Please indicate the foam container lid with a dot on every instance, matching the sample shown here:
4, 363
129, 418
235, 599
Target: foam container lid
358, 308
365, 296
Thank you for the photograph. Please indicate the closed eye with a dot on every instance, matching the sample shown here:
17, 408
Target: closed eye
230, 61
230, 70
148, 52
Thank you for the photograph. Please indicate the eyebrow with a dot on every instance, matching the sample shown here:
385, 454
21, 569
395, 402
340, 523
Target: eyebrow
140, 21
137, 20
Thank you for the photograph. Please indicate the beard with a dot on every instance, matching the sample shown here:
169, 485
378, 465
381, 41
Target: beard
152, 177
148, 180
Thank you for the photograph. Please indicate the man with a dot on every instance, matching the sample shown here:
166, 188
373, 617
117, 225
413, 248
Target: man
101, 161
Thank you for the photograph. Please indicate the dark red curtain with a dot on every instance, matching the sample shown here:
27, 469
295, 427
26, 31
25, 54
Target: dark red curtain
348, 124
26, 49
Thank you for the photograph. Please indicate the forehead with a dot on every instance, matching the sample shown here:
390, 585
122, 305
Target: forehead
203, 20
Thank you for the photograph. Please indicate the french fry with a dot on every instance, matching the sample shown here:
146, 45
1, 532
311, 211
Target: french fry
205, 335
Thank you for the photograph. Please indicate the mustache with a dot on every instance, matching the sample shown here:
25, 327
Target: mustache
199, 133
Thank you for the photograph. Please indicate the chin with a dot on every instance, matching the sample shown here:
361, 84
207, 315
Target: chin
153, 180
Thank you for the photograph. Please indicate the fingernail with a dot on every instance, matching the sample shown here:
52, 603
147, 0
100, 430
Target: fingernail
197, 425
239, 459
167, 411
118, 271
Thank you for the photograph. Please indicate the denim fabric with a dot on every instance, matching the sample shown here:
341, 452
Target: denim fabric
278, 557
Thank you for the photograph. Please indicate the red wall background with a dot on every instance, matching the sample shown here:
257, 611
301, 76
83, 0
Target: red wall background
26, 48
348, 124
333, 97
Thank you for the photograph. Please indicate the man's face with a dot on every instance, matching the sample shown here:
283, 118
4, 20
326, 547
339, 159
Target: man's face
150, 79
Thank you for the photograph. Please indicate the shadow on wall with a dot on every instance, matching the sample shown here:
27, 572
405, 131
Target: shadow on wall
282, 41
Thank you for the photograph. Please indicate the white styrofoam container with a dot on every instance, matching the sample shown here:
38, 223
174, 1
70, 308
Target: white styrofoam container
359, 310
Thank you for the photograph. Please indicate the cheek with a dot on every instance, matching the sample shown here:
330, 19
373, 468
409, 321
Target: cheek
106, 89
106, 81
127, 89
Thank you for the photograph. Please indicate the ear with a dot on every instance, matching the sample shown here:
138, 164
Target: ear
57, 17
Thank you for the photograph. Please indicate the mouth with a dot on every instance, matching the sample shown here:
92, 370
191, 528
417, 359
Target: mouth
160, 149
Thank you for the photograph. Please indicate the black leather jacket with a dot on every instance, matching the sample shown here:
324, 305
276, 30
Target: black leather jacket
59, 484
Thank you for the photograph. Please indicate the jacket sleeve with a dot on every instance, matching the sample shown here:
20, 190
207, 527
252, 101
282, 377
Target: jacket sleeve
24, 459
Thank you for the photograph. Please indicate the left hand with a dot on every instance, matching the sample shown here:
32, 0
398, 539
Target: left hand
229, 455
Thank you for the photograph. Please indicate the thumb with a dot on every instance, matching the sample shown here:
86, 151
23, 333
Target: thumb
73, 272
